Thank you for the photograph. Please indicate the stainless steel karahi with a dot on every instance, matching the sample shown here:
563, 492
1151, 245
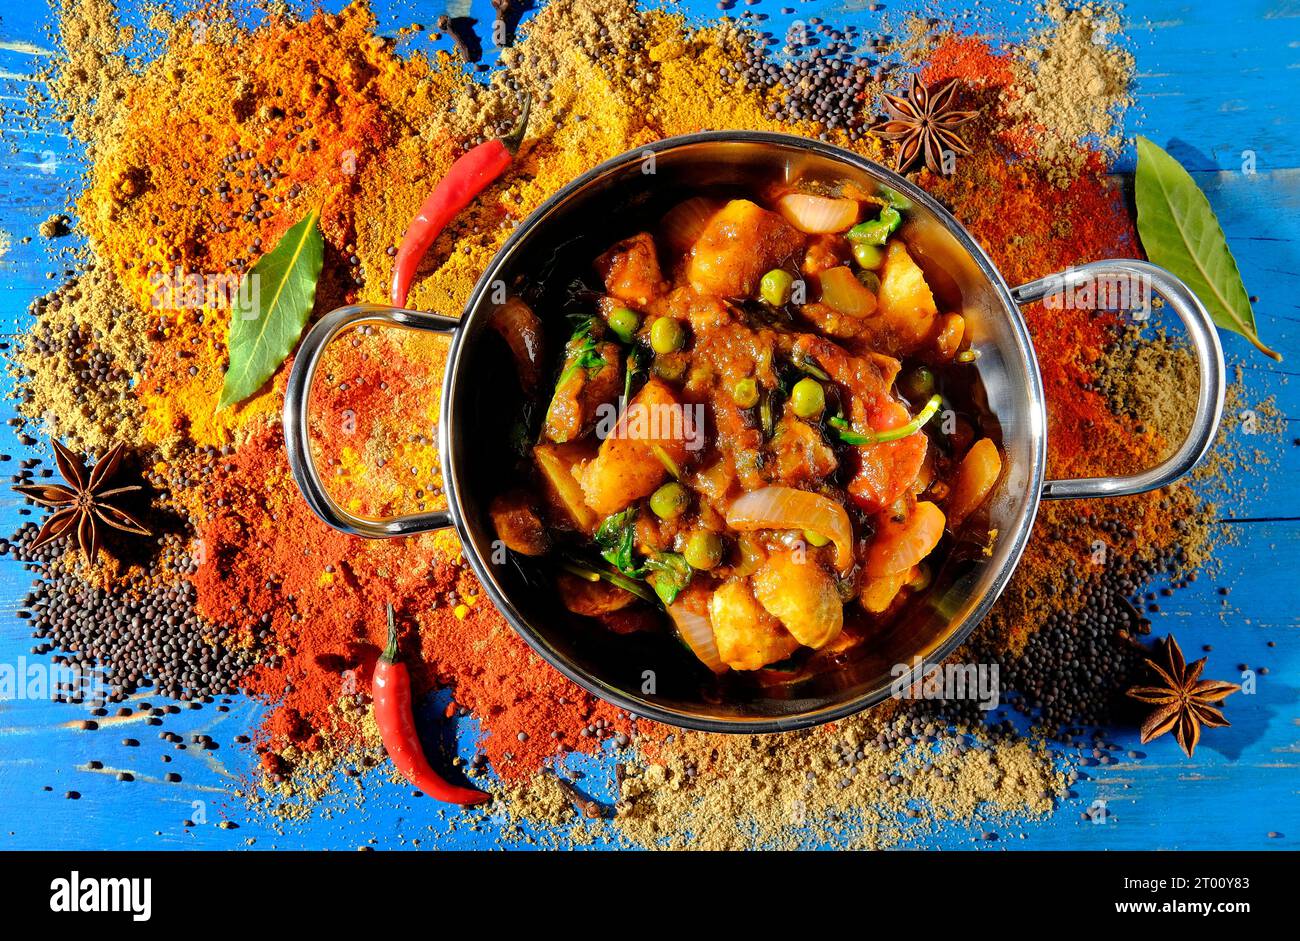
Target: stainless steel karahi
654, 677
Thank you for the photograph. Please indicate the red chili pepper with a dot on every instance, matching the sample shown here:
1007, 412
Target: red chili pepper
391, 690
467, 177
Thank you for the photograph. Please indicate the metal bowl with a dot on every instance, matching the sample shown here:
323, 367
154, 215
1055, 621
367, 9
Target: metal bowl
652, 675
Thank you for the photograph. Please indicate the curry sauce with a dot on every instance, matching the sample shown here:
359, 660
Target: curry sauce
756, 435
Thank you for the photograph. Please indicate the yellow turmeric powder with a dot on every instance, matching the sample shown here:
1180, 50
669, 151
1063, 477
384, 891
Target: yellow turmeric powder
207, 153
651, 77
216, 147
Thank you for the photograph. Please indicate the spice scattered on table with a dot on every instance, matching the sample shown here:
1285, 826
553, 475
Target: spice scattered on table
243, 589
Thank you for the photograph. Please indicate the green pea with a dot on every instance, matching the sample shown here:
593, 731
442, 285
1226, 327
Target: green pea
807, 398
670, 368
669, 501
870, 280
703, 549
624, 322
775, 287
745, 392
918, 383
867, 255
667, 335
815, 539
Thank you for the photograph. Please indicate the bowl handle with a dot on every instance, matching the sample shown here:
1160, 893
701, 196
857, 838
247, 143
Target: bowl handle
1145, 277
297, 393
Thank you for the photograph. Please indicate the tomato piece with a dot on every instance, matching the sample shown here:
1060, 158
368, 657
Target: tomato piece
887, 470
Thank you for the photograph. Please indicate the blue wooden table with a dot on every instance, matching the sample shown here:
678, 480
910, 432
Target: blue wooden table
1217, 85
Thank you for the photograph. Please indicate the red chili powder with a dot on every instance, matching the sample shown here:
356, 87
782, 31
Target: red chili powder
317, 596
1032, 227
967, 58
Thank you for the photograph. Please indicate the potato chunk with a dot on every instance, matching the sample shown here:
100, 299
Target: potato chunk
978, 472
631, 270
748, 638
901, 544
740, 244
907, 305
564, 495
879, 593
630, 463
952, 327
518, 524
802, 596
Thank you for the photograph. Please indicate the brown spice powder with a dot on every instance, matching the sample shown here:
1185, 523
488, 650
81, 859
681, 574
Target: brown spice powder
75, 366
1073, 87
847, 785
1152, 378
89, 78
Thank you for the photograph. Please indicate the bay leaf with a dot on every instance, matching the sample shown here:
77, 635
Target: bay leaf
271, 308
1181, 233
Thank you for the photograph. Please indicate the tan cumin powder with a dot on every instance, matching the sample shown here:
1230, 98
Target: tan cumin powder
1074, 86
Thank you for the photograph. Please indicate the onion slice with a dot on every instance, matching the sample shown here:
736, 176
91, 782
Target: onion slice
818, 215
696, 629
788, 508
522, 331
683, 225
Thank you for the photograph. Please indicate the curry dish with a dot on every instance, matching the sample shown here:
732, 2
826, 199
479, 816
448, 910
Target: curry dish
753, 436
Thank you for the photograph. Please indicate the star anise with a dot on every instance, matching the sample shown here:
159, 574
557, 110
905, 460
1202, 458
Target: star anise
924, 123
1185, 701
81, 507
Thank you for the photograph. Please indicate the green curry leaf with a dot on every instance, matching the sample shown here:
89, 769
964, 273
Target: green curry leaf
667, 572
1180, 232
670, 573
273, 305
616, 538
581, 351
